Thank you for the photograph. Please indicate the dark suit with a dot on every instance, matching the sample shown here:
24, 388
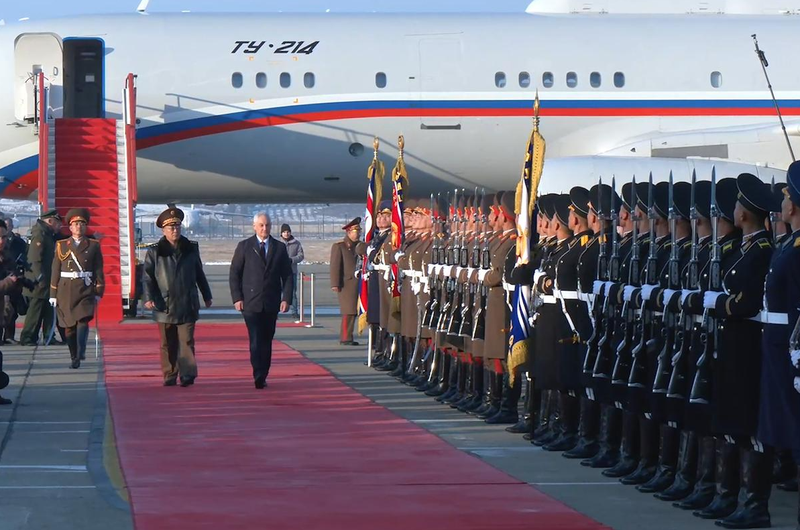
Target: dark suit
262, 284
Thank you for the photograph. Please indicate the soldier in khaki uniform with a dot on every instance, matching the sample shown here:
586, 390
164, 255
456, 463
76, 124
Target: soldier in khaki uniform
344, 281
40, 256
77, 283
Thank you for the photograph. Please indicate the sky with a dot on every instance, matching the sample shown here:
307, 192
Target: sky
13, 10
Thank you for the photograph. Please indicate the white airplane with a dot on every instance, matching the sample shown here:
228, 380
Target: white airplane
284, 107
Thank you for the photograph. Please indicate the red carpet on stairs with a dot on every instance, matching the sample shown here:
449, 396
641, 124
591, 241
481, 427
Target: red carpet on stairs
306, 453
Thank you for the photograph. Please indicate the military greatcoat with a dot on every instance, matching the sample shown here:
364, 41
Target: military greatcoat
343, 275
497, 310
75, 297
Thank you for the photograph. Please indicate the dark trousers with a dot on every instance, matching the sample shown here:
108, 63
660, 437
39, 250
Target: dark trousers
177, 351
348, 323
10, 316
77, 337
39, 312
261, 330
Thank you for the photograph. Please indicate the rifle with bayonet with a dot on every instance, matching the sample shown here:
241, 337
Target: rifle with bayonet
604, 364
622, 364
664, 368
465, 330
450, 260
638, 372
432, 302
479, 327
677, 382
597, 308
454, 323
701, 386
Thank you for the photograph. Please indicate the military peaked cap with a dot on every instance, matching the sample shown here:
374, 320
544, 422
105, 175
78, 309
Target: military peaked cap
754, 195
579, 200
169, 217
354, 224
682, 195
727, 192
78, 214
702, 198
603, 207
793, 178
51, 214
562, 206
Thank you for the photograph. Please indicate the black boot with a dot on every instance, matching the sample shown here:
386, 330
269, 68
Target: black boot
536, 410
648, 454
444, 377
629, 456
783, 468
496, 394
393, 355
569, 407
727, 490
461, 384
452, 380
402, 367
551, 428
667, 462
704, 485
610, 434
753, 506
477, 382
524, 423
683, 484
486, 395
587, 445
509, 400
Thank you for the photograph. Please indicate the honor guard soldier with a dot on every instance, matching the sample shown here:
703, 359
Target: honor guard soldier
737, 367
77, 283
378, 294
41, 250
382, 267
779, 417
344, 281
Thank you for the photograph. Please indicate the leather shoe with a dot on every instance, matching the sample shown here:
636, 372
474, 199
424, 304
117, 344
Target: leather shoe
75, 364
170, 382
260, 384
348, 343
189, 381
4, 401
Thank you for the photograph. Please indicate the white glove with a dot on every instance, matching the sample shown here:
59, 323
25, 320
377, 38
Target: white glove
536, 276
597, 287
647, 290
609, 286
685, 293
668, 294
482, 274
446, 270
431, 268
794, 355
399, 254
627, 293
53, 302
710, 299
416, 287
797, 384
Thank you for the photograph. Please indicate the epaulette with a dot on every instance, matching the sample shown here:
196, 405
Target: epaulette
764, 243
797, 242
727, 247
584, 240
603, 238
687, 244
195, 243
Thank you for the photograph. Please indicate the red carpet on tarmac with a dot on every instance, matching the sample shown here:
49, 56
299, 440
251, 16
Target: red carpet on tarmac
306, 453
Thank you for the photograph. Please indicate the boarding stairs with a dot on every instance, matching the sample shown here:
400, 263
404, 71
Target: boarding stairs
91, 163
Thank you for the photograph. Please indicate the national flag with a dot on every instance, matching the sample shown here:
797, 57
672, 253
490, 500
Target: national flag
399, 184
375, 175
527, 190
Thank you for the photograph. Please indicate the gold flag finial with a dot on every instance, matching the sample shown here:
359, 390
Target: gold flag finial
536, 111
375, 146
401, 144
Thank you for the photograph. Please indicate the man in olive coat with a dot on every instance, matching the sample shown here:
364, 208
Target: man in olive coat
344, 281
40, 256
173, 271
76, 283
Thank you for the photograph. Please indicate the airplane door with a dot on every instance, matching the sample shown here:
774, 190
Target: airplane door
34, 53
84, 78
441, 72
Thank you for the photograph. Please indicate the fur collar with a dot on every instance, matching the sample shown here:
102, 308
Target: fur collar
184, 245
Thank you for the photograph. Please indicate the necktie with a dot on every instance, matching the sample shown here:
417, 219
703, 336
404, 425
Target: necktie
263, 251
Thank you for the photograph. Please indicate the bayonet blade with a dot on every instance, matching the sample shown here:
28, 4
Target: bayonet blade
671, 197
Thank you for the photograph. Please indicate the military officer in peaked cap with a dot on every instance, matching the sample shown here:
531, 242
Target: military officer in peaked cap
173, 266
40, 256
344, 281
76, 283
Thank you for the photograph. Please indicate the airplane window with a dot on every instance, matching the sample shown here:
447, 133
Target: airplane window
716, 79
309, 80
524, 79
595, 79
286, 80
237, 80
500, 80
380, 80
619, 79
572, 79
547, 79
261, 80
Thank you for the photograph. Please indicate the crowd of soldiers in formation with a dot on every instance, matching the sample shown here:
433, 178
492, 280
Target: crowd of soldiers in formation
660, 330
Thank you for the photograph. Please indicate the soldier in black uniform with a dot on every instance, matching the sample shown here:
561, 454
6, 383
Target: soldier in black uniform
737, 368
779, 417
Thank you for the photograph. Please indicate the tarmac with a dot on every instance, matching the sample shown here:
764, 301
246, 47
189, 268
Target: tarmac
58, 465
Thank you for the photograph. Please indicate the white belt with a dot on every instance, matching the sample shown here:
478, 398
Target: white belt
697, 319
74, 275
566, 295
548, 299
586, 297
767, 317
381, 267
658, 313
508, 287
413, 274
